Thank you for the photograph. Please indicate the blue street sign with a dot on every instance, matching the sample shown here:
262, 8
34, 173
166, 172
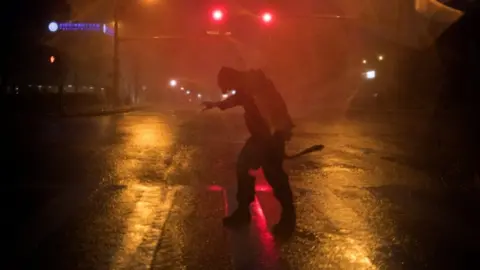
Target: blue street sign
75, 26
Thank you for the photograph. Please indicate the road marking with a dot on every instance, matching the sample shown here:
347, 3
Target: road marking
144, 227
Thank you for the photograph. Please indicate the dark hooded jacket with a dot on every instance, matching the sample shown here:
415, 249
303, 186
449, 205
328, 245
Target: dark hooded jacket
265, 109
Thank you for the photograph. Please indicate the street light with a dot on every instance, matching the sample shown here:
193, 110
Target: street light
380, 58
370, 75
173, 83
52, 59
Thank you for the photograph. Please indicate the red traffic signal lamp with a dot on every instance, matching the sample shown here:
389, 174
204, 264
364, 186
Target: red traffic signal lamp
218, 15
267, 17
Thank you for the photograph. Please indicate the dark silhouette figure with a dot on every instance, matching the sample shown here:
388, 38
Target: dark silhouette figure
270, 126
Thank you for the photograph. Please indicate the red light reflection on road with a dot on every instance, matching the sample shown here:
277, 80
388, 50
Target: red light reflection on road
258, 188
269, 254
215, 188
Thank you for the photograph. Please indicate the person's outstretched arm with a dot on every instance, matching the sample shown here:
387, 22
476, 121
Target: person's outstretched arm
230, 102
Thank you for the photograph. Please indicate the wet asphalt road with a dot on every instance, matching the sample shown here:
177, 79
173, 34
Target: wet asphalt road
147, 190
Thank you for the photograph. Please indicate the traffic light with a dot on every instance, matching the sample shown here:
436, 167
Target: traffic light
266, 17
218, 15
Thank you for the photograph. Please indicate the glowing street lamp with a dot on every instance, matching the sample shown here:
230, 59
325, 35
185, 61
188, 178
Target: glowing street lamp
52, 59
370, 75
380, 58
173, 83
199, 95
188, 92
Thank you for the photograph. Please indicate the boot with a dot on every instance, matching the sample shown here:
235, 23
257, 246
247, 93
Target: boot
239, 217
286, 226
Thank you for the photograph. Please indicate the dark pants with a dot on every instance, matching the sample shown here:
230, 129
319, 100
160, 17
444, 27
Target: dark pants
267, 153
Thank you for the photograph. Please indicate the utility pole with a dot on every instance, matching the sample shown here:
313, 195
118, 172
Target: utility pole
116, 60
136, 71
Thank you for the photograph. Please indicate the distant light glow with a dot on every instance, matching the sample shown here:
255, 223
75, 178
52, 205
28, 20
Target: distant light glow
52, 59
173, 83
364, 61
225, 96
234, 92
188, 92
380, 58
370, 74
199, 95
181, 88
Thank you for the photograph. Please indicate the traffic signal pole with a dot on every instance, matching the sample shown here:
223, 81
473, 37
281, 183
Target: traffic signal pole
116, 59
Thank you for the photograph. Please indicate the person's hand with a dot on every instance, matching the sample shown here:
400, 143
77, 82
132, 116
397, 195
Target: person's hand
207, 105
